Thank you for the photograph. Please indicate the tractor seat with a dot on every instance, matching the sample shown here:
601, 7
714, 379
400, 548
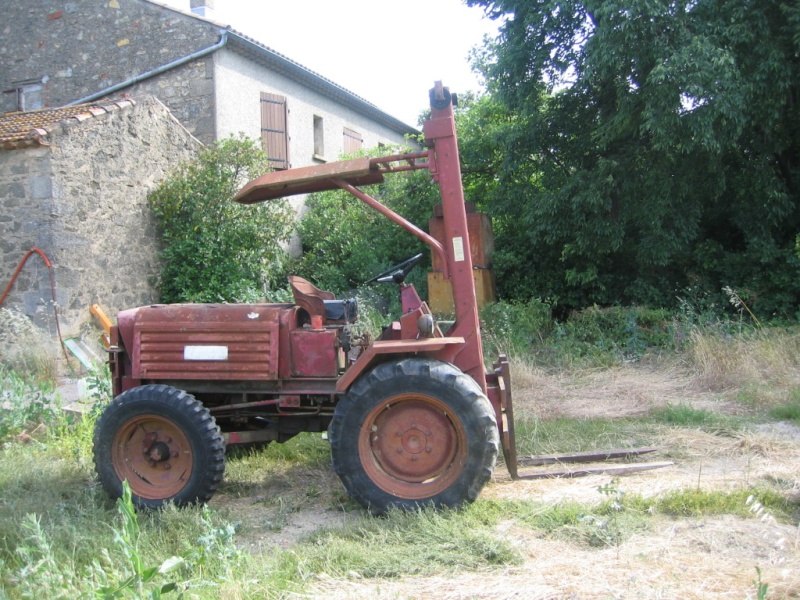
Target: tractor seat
321, 306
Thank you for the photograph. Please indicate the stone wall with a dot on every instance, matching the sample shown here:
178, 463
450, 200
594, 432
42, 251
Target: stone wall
81, 47
83, 201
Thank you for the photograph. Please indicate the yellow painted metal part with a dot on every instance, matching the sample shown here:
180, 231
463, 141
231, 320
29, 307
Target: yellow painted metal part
440, 292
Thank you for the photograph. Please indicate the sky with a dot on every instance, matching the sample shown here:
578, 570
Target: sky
387, 52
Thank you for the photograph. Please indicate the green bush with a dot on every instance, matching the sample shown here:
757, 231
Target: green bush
625, 333
216, 250
595, 335
514, 327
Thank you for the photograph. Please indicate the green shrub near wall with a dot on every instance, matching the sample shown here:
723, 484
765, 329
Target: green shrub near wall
216, 250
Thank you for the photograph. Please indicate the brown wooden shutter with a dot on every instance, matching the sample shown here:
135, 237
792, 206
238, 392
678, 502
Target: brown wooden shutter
274, 131
352, 141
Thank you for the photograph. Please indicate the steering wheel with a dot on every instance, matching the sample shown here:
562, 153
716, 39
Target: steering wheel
398, 273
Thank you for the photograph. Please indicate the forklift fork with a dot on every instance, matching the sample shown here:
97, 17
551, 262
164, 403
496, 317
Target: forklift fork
505, 423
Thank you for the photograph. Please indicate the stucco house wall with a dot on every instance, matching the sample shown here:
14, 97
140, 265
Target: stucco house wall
80, 196
239, 82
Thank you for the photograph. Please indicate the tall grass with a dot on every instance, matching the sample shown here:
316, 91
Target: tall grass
26, 405
762, 358
25, 348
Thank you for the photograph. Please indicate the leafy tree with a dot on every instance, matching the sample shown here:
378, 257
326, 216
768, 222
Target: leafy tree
216, 250
646, 145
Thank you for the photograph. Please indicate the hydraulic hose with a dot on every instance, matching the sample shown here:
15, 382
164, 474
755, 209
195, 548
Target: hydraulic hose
52, 289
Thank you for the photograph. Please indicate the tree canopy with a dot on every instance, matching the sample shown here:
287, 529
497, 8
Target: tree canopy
632, 148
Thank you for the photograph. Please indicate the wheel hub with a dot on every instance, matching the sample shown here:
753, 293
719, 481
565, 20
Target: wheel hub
412, 441
154, 455
415, 440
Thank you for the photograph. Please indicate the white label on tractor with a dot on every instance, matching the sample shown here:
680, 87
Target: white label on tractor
458, 249
205, 353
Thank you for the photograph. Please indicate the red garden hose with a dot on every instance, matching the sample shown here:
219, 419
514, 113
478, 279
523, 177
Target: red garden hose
52, 289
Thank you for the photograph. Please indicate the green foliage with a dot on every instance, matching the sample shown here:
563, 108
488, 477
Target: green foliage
24, 405
346, 243
514, 327
761, 587
684, 415
67, 544
626, 333
216, 250
596, 336
699, 502
633, 148
788, 411
141, 578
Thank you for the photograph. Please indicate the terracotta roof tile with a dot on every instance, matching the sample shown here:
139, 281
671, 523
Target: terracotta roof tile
22, 129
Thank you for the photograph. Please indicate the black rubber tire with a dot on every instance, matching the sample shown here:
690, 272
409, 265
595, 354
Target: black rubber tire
364, 434
174, 416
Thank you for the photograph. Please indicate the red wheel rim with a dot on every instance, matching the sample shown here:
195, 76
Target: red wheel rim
154, 455
412, 447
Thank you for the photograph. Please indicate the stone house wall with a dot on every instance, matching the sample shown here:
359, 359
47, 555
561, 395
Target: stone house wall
81, 47
82, 200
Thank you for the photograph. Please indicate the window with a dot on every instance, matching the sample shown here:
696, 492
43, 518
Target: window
30, 96
352, 141
27, 95
319, 138
274, 130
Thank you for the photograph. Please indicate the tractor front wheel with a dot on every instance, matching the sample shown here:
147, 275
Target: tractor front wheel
411, 433
163, 442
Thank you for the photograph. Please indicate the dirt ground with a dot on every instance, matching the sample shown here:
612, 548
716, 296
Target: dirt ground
708, 557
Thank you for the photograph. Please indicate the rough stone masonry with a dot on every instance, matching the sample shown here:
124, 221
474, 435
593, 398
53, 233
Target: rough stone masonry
82, 199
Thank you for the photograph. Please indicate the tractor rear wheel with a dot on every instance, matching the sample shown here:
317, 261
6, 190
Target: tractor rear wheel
164, 442
414, 432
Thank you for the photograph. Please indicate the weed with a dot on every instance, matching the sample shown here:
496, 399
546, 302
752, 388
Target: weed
761, 587
698, 502
740, 305
684, 415
141, 578
789, 411
99, 384
24, 405
513, 328
615, 493
27, 349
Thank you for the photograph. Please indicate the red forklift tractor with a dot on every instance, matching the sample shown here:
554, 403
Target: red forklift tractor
413, 417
